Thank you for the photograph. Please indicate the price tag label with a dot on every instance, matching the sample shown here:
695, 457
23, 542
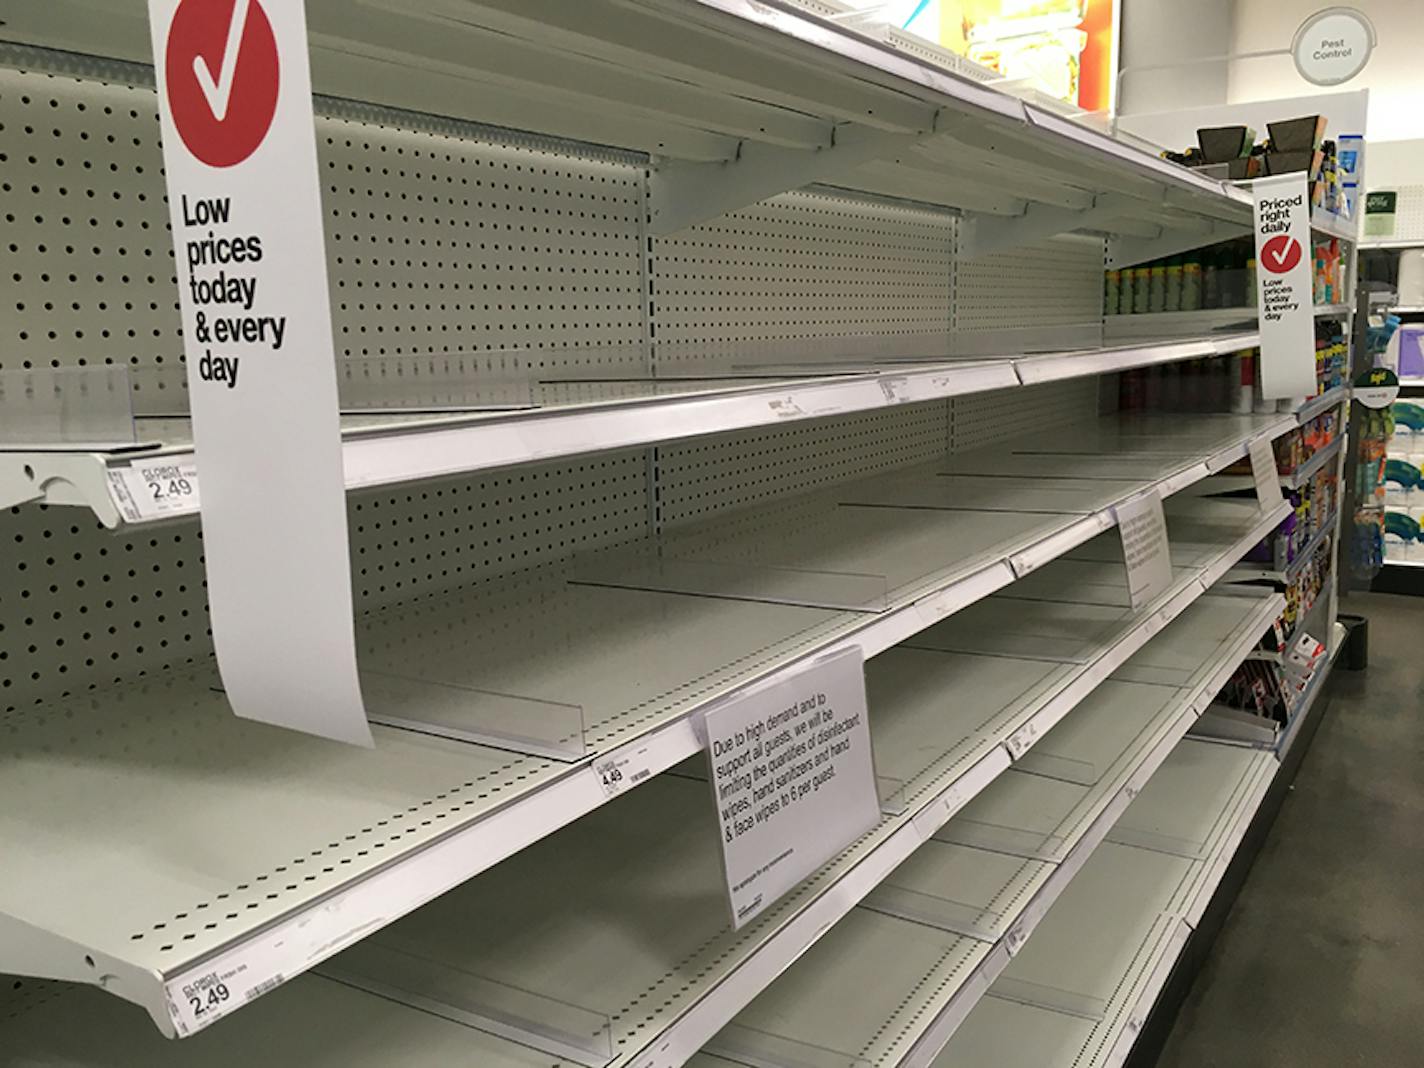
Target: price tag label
793, 778
622, 770
1263, 470
1143, 526
896, 389
155, 489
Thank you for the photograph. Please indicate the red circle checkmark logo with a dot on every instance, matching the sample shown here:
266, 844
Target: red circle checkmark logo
221, 75
1280, 254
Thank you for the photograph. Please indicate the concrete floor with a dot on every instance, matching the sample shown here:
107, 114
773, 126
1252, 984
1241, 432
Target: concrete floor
1321, 961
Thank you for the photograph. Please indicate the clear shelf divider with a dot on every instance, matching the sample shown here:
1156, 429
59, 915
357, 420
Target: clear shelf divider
66, 407
761, 1049
582, 1035
936, 911
1016, 841
456, 382
464, 713
1065, 769
892, 793
1069, 1002
650, 570
1159, 843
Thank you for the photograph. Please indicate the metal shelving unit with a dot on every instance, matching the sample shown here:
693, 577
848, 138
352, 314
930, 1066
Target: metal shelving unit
705, 970
954, 915
1288, 574
1331, 225
1123, 328
1331, 398
1306, 471
733, 340
454, 807
692, 82
1079, 990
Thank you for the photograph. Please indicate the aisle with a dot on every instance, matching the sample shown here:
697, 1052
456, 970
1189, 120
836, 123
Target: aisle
1321, 962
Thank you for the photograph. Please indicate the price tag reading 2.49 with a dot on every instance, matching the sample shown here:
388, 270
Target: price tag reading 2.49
155, 489
793, 777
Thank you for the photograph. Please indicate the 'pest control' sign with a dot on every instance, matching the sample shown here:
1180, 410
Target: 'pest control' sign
239, 150
1283, 286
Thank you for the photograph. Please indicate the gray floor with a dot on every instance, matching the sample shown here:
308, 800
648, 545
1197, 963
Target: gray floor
1321, 961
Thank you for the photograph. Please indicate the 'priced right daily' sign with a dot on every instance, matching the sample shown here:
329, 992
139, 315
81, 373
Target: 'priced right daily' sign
1284, 297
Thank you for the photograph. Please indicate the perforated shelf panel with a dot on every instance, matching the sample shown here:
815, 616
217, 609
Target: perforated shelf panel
1032, 295
441, 239
81, 608
852, 275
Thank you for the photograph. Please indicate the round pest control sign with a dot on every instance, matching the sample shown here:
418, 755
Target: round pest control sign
1280, 254
1332, 46
222, 75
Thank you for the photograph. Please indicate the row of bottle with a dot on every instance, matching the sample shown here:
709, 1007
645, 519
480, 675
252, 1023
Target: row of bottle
1223, 276
1220, 384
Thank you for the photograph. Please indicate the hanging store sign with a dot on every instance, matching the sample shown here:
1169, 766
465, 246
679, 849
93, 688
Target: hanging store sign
1143, 526
793, 776
1376, 388
1263, 472
1284, 297
1332, 46
239, 150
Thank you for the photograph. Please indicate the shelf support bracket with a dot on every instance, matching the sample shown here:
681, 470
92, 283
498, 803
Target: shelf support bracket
36, 953
682, 194
58, 478
17, 484
1124, 253
982, 234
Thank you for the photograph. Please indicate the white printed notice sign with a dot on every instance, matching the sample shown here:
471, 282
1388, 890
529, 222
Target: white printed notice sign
1284, 291
794, 778
1143, 526
239, 149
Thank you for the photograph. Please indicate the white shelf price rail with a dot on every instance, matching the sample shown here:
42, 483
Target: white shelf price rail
132, 484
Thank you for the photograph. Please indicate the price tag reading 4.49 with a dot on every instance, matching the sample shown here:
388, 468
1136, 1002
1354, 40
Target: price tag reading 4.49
156, 488
623, 768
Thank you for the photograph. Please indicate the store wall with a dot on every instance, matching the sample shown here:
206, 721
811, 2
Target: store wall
1168, 31
1166, 59
1394, 75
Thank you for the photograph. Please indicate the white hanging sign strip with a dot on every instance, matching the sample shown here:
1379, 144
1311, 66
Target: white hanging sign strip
1284, 293
1263, 470
1143, 526
239, 148
793, 778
